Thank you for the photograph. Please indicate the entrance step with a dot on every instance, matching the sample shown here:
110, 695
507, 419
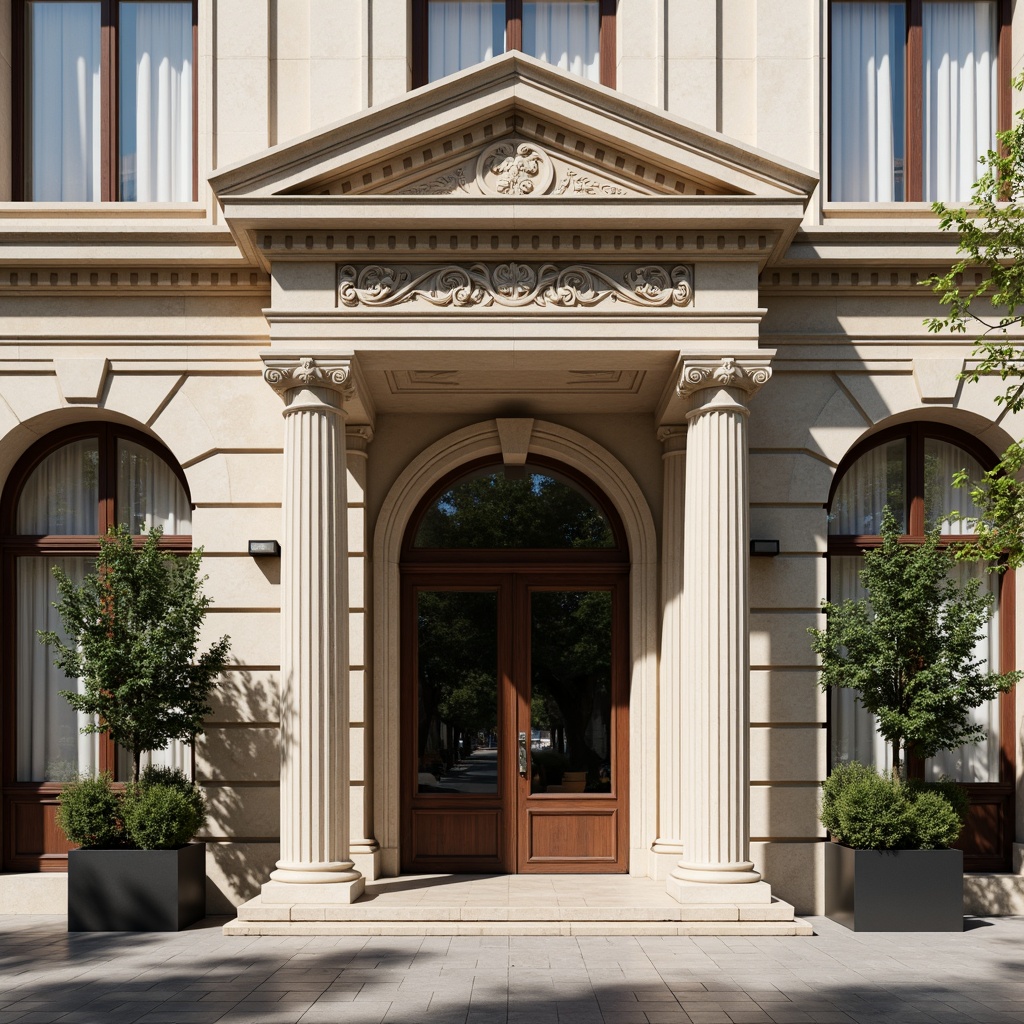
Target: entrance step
515, 904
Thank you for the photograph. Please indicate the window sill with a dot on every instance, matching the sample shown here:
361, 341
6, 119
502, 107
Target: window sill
101, 212
878, 211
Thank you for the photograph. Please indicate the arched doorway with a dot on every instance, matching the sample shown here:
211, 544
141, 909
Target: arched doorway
515, 672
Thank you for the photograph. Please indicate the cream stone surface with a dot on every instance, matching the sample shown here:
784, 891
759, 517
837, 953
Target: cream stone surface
255, 639
240, 752
705, 161
245, 696
249, 811
34, 893
787, 753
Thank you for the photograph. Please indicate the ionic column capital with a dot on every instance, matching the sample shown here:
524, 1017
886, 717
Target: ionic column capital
746, 375
673, 439
289, 373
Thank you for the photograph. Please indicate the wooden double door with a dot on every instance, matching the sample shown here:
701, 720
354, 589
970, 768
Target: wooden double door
515, 720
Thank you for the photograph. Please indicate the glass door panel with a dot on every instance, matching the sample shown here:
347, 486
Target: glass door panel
571, 692
457, 692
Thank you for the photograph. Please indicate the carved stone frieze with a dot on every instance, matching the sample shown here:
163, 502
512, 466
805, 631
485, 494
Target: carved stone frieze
514, 169
576, 183
443, 185
729, 372
514, 285
305, 371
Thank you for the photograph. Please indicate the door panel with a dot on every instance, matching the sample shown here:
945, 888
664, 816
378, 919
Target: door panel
515, 721
572, 701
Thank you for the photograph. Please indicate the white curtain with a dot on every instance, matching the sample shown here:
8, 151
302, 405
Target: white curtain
960, 95
941, 461
149, 493
64, 92
854, 737
51, 746
976, 762
62, 494
877, 478
867, 102
461, 33
156, 102
565, 33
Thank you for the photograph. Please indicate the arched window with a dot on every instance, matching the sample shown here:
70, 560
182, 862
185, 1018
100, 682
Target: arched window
62, 496
910, 468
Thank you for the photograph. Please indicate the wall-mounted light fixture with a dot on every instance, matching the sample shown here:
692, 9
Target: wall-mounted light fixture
765, 548
264, 549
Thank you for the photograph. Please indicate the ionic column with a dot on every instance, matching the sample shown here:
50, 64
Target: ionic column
315, 865
669, 844
715, 664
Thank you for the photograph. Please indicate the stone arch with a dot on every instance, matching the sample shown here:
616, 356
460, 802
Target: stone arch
616, 482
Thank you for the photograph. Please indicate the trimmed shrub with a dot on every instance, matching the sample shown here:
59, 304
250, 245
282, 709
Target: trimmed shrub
162, 817
841, 776
936, 825
874, 814
89, 812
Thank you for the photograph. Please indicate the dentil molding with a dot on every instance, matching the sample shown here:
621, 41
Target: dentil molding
514, 285
747, 375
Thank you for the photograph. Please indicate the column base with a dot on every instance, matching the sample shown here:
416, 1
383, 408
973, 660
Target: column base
715, 893
366, 860
326, 893
665, 855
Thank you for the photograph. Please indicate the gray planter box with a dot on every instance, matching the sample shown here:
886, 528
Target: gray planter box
895, 890
136, 890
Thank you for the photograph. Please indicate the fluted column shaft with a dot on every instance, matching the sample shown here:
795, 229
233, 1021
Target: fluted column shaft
669, 843
314, 652
715, 667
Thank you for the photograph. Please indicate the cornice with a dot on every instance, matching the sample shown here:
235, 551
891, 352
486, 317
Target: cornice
78, 279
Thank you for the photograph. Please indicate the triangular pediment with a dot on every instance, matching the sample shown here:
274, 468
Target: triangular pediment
512, 130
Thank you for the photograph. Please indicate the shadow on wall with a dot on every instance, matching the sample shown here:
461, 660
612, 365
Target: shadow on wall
238, 765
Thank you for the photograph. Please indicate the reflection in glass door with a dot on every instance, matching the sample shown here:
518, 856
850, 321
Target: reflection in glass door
457, 691
571, 691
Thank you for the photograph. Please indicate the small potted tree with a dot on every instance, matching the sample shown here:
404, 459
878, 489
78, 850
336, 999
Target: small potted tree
133, 634
908, 651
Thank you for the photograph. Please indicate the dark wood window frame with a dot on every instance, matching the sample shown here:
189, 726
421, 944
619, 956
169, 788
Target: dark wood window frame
514, 38
17, 795
109, 23
988, 799
913, 167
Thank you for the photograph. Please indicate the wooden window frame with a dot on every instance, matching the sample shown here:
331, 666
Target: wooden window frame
514, 38
109, 94
913, 92
1003, 792
14, 545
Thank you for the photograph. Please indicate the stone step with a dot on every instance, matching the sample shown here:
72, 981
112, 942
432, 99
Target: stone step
993, 895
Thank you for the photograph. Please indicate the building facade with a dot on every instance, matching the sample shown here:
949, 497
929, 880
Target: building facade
569, 353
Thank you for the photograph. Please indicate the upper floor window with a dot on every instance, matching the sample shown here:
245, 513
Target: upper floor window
576, 35
108, 100
917, 95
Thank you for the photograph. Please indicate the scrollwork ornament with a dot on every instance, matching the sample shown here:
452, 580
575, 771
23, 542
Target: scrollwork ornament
514, 285
726, 373
305, 371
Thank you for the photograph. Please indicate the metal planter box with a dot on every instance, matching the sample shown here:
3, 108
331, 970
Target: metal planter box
136, 890
895, 890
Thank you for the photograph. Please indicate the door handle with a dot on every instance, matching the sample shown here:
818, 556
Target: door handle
522, 754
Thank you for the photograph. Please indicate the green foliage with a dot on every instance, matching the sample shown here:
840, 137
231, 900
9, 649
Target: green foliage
89, 813
134, 628
984, 291
908, 650
158, 816
871, 811
936, 825
842, 775
497, 510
